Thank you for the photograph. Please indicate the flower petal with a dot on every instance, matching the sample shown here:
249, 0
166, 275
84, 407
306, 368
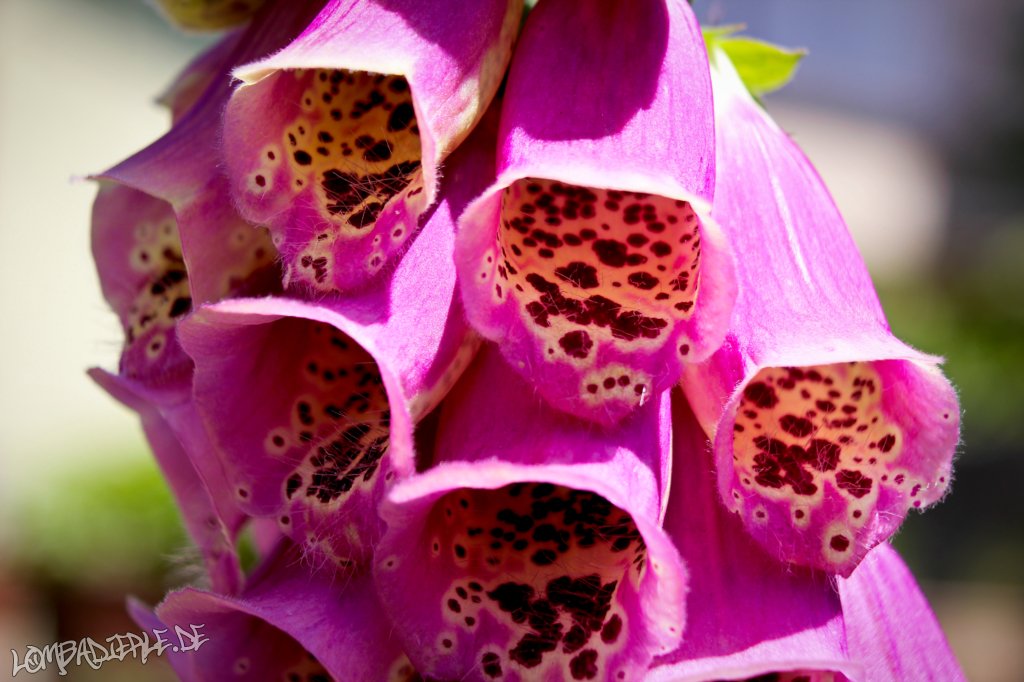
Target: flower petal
211, 66
827, 429
747, 614
137, 251
175, 435
313, 409
335, 142
533, 549
593, 256
165, 233
291, 623
890, 626
222, 253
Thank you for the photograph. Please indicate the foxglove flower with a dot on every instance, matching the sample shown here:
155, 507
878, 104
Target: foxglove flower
313, 409
291, 623
592, 259
827, 429
336, 142
751, 617
532, 549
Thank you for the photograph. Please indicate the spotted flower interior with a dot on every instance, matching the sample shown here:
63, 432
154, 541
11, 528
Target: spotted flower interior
539, 582
162, 299
309, 446
818, 449
144, 275
598, 275
330, 159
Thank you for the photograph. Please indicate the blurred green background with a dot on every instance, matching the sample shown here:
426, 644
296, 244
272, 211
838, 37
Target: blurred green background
912, 112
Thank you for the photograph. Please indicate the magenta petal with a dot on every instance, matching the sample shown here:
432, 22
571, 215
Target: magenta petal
138, 256
290, 619
313, 408
335, 142
827, 429
747, 614
532, 549
889, 625
222, 253
212, 65
177, 438
593, 256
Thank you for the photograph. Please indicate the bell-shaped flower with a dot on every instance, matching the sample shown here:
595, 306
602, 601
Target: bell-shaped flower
164, 233
336, 142
292, 622
312, 406
532, 549
592, 260
827, 429
750, 617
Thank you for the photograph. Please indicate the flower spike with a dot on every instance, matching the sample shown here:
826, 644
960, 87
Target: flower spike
592, 258
336, 141
827, 429
532, 549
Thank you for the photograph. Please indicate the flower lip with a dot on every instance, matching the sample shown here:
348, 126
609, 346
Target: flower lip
324, 417
824, 461
331, 159
377, 95
575, 504
532, 571
291, 622
583, 282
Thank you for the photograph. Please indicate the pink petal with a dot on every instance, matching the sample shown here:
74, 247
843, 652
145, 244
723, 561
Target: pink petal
747, 614
211, 66
827, 429
592, 256
336, 141
532, 549
889, 625
312, 411
176, 436
291, 619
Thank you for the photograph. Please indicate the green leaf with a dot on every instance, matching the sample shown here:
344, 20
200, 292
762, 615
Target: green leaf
763, 67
